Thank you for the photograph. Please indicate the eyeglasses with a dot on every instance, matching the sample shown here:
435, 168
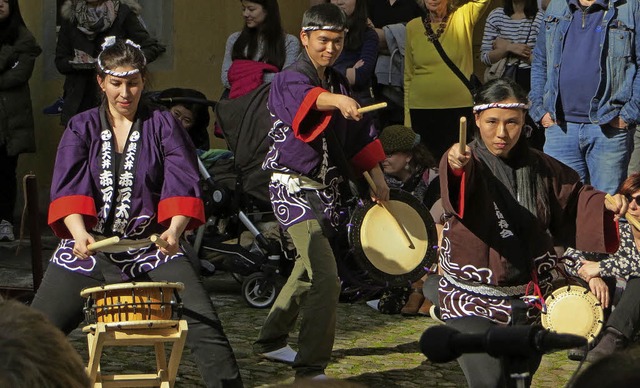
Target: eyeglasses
635, 199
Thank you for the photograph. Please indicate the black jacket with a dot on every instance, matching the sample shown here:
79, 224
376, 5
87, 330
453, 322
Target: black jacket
80, 87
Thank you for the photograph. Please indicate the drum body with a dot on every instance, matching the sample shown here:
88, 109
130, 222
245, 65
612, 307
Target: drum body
136, 301
573, 310
382, 248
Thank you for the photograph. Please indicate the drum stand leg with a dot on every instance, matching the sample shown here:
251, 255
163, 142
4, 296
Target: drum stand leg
100, 335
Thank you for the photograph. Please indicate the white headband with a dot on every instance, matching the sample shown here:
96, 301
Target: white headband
328, 28
510, 105
110, 41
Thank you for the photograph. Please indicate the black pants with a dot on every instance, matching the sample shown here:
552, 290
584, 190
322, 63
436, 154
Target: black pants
626, 316
8, 165
481, 369
439, 128
59, 299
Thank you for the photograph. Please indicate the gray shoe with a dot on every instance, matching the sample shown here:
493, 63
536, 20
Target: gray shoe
6, 231
612, 341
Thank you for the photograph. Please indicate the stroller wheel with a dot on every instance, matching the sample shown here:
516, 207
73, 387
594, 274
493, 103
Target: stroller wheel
258, 290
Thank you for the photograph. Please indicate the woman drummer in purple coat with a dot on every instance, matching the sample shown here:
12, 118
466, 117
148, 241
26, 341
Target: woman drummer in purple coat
124, 169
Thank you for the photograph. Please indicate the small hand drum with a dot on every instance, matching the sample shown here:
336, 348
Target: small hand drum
574, 310
126, 302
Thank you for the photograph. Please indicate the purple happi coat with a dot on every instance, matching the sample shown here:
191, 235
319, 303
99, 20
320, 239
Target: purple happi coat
131, 195
299, 145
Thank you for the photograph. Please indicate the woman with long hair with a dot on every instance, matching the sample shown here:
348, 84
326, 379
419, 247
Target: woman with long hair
18, 53
261, 49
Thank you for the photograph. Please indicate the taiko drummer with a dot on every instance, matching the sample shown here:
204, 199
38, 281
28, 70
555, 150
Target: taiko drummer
507, 205
128, 170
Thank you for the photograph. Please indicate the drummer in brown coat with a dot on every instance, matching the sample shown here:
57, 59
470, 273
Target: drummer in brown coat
507, 204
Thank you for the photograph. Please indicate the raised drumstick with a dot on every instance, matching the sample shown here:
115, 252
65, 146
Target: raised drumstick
632, 220
158, 241
463, 134
103, 243
369, 108
373, 187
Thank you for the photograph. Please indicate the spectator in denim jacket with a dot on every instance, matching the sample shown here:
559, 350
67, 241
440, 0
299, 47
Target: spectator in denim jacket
588, 96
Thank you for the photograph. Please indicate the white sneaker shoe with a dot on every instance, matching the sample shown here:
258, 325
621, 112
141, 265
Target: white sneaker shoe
374, 303
286, 355
6, 231
320, 377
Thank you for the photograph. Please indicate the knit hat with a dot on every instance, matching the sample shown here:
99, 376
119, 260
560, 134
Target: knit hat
396, 138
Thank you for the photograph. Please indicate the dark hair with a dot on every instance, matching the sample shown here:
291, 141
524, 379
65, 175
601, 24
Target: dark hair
35, 353
269, 34
10, 26
530, 8
357, 25
326, 14
631, 184
200, 111
421, 158
498, 90
121, 54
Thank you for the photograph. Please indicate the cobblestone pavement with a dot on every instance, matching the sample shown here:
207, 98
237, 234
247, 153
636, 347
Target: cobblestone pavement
371, 348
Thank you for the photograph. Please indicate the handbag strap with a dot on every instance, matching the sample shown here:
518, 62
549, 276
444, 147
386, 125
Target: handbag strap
517, 63
452, 66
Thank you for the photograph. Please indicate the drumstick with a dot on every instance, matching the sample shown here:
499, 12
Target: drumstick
158, 241
369, 108
103, 243
632, 220
463, 134
397, 222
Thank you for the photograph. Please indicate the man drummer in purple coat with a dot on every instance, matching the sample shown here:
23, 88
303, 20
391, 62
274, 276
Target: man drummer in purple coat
317, 136
129, 170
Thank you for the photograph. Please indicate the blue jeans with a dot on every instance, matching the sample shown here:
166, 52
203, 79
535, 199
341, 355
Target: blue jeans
599, 154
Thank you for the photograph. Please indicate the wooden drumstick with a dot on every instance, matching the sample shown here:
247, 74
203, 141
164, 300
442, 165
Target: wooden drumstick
103, 243
463, 134
369, 108
632, 220
373, 187
158, 241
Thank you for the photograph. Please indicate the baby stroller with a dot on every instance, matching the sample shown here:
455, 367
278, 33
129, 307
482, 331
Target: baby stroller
241, 235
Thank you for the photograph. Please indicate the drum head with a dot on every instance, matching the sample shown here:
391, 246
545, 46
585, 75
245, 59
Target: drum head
573, 310
381, 244
131, 285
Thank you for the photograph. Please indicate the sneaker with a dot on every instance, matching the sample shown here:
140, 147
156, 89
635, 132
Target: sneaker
6, 231
55, 108
612, 341
434, 313
321, 376
374, 303
286, 355
577, 354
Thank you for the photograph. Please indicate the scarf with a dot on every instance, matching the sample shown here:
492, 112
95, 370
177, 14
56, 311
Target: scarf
93, 20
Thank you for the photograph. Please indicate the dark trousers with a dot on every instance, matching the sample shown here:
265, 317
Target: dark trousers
481, 369
59, 299
439, 128
8, 165
625, 317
